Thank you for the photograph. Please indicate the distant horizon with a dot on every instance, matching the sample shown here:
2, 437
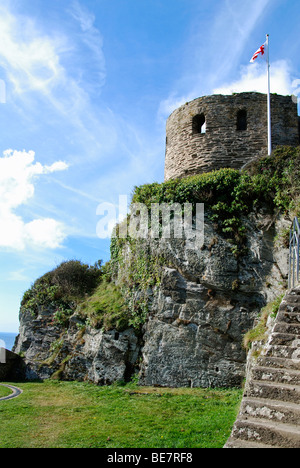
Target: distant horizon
7, 333
7, 340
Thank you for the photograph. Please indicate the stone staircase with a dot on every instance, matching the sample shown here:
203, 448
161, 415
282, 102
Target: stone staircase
269, 416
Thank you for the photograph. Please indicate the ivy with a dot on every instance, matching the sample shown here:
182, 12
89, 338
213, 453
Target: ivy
141, 272
229, 194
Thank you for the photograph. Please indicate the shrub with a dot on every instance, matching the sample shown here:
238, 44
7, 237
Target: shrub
75, 279
229, 194
62, 288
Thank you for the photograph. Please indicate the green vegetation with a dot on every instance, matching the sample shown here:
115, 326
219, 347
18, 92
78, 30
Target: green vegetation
259, 332
4, 391
62, 289
228, 194
115, 306
279, 174
56, 414
105, 308
141, 270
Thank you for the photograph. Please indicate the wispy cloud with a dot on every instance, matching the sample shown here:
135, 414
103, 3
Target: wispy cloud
48, 69
214, 51
29, 58
93, 40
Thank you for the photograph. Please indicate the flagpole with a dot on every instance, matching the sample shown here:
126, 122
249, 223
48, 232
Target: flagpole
269, 102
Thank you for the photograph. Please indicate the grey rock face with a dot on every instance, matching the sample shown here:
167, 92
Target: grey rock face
206, 301
77, 353
104, 357
195, 340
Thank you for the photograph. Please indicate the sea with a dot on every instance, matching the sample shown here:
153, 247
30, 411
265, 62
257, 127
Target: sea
7, 340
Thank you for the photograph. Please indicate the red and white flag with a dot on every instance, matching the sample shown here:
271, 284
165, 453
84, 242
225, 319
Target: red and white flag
260, 51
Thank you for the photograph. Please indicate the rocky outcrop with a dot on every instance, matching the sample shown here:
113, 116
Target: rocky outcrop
206, 301
77, 353
204, 306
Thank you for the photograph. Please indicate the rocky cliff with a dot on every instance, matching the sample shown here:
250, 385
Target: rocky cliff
174, 315
206, 301
196, 317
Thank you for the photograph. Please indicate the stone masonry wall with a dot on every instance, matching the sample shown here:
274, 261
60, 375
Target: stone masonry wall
189, 152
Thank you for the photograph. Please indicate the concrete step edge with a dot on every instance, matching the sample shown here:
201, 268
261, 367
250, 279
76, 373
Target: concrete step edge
267, 432
284, 338
273, 391
279, 362
284, 325
240, 443
277, 370
274, 403
282, 351
278, 385
292, 429
294, 316
270, 410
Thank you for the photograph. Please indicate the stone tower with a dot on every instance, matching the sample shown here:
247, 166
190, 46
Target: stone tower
219, 131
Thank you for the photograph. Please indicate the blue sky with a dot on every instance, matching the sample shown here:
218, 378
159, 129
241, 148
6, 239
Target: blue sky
86, 88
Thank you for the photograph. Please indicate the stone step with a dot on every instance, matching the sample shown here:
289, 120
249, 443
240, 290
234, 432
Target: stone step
271, 374
292, 307
239, 443
266, 432
295, 291
273, 391
281, 351
287, 328
279, 362
271, 410
288, 317
284, 339
269, 415
291, 298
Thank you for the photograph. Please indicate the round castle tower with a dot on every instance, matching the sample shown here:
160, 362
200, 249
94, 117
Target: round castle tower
219, 131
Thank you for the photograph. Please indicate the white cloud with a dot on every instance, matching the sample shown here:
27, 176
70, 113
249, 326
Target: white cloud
57, 166
52, 66
296, 87
46, 233
254, 78
17, 275
17, 173
167, 106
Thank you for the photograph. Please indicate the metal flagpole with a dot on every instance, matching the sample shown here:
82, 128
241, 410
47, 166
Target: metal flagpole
269, 101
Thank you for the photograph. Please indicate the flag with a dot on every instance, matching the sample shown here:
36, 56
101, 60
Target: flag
259, 51
265, 50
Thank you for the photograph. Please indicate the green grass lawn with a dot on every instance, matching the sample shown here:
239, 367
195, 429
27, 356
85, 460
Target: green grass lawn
57, 414
4, 391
